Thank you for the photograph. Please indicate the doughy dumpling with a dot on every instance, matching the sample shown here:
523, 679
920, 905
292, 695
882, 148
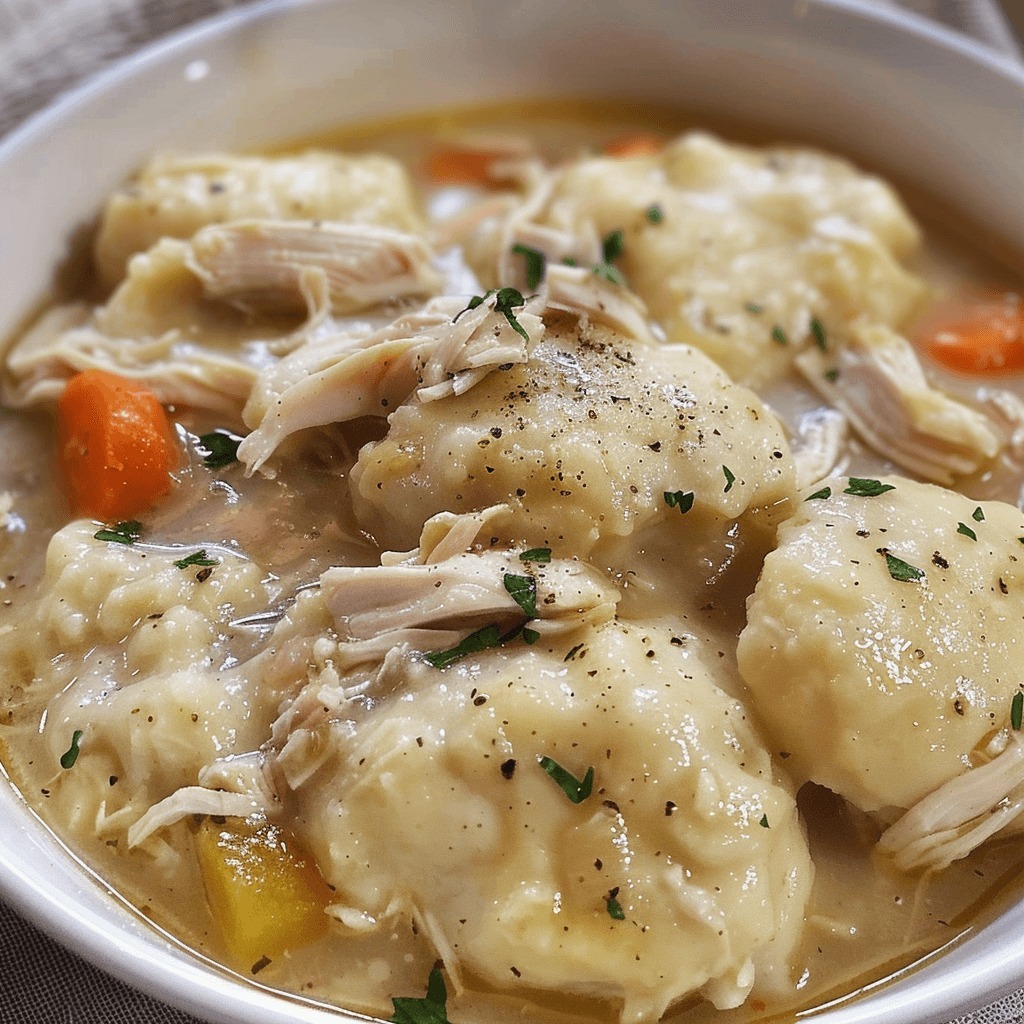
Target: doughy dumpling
685, 870
175, 196
584, 440
884, 645
746, 249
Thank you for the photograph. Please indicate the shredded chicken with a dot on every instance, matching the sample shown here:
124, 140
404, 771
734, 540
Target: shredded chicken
821, 435
959, 816
876, 381
192, 800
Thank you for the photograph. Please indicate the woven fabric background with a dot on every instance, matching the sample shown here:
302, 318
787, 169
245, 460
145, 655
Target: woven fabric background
47, 46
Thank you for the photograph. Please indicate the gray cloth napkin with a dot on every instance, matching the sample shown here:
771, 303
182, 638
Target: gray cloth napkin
47, 46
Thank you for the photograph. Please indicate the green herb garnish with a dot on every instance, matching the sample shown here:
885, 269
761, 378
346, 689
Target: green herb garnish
902, 572
1017, 710
536, 555
966, 531
127, 532
196, 558
535, 263
428, 1010
655, 214
825, 492
575, 790
614, 907
864, 488
70, 756
612, 246
505, 300
730, 479
753, 307
831, 375
221, 447
530, 636
779, 335
682, 500
818, 330
481, 640
764, 821
977, 515
610, 273
522, 590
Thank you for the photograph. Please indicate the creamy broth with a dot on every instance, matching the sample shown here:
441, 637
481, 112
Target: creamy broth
864, 921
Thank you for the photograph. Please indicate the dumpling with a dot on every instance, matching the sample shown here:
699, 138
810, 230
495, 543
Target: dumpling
585, 440
175, 196
883, 649
749, 255
672, 862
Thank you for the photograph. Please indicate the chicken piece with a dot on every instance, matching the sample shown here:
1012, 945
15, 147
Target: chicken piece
749, 255
173, 323
876, 381
175, 196
882, 651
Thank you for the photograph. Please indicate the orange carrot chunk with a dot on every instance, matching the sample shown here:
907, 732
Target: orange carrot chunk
461, 166
985, 337
115, 445
635, 144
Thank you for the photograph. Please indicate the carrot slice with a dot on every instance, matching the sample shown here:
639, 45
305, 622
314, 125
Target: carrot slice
461, 166
115, 445
984, 336
635, 144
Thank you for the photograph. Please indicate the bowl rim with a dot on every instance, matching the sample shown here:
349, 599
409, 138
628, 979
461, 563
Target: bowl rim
187, 983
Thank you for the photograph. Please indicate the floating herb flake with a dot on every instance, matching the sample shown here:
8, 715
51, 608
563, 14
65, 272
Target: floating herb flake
610, 273
507, 299
831, 375
536, 555
221, 448
902, 572
862, 487
573, 788
522, 590
682, 500
530, 636
428, 1010
614, 907
535, 263
754, 307
818, 331
779, 335
730, 479
655, 214
764, 821
1017, 710
196, 558
966, 531
70, 756
825, 492
612, 246
978, 515
127, 532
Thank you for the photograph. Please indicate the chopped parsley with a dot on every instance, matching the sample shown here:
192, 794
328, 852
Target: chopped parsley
505, 301
522, 590
655, 214
682, 500
1017, 710
480, 640
779, 335
861, 487
535, 263
573, 788
614, 907
610, 273
70, 756
902, 572
569, 261
127, 532
977, 515
825, 492
730, 479
221, 448
764, 821
428, 1010
530, 636
612, 246
966, 531
831, 375
536, 555
196, 558
754, 307
818, 331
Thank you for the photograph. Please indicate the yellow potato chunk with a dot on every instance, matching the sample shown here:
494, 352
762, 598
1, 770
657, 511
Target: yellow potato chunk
265, 892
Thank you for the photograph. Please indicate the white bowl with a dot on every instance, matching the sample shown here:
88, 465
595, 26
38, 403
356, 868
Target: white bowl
925, 105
